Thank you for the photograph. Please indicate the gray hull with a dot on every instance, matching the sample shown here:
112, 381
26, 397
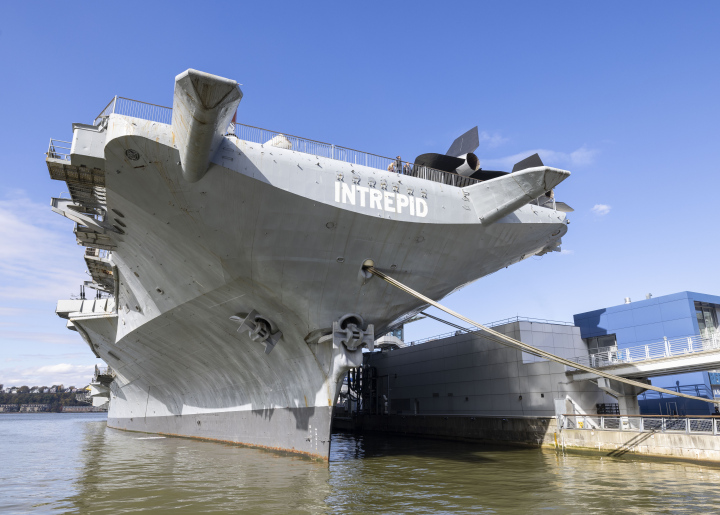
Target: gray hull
297, 430
284, 234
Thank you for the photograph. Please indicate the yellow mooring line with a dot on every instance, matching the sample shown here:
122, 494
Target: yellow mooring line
512, 342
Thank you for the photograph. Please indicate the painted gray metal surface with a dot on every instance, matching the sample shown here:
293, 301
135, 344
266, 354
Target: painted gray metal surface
285, 234
470, 375
300, 430
203, 105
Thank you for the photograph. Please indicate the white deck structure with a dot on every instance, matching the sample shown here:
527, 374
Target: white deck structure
674, 356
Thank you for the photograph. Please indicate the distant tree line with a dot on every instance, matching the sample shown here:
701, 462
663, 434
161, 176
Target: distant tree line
55, 400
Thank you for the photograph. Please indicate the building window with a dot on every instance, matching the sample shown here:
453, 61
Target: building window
706, 317
399, 332
602, 343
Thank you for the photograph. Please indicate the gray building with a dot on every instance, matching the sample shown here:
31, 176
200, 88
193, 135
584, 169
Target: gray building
468, 374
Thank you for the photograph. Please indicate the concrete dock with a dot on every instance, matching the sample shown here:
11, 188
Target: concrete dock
463, 386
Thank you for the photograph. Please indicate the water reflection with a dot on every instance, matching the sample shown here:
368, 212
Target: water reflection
428, 476
75, 464
128, 472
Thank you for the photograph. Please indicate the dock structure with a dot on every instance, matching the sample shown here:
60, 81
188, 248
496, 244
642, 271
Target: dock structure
670, 339
465, 385
462, 385
676, 356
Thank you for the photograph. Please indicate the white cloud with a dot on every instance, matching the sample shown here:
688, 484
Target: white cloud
12, 312
39, 258
567, 251
47, 375
601, 209
40, 263
580, 157
491, 140
66, 337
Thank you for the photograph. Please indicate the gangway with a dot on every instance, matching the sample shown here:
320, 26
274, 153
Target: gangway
669, 356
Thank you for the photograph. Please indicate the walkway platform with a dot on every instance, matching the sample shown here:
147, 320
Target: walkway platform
680, 355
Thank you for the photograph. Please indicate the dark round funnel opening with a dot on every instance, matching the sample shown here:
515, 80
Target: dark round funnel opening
473, 161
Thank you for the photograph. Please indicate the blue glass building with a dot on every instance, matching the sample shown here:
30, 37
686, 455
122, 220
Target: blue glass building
650, 321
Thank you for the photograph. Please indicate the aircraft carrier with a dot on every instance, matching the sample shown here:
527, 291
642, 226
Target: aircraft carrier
229, 260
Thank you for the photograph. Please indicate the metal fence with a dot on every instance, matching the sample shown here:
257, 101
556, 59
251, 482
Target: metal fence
59, 149
102, 371
100, 253
642, 423
348, 155
698, 390
664, 349
491, 324
136, 109
146, 111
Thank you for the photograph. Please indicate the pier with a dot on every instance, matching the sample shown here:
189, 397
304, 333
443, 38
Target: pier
463, 386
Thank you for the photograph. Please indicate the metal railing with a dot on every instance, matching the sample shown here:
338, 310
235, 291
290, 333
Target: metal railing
107, 110
59, 149
102, 371
348, 155
146, 111
136, 109
698, 390
664, 349
504, 321
99, 253
707, 424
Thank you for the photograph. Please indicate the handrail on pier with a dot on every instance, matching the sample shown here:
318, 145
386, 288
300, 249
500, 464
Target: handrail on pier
696, 424
664, 349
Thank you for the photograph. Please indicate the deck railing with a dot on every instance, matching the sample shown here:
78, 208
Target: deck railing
698, 390
102, 371
709, 425
491, 324
146, 111
99, 253
348, 155
59, 149
664, 349
136, 109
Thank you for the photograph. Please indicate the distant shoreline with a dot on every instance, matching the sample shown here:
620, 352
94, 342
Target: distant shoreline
48, 412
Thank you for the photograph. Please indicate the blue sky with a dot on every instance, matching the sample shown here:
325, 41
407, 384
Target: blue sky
625, 95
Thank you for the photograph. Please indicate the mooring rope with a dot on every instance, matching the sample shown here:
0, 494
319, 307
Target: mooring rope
503, 339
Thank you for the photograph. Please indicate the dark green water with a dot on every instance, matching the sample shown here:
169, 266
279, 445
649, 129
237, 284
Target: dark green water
72, 463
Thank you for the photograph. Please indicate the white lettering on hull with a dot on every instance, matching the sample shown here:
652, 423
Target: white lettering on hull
388, 201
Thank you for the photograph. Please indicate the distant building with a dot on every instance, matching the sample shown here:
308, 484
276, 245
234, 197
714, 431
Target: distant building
83, 396
649, 321
468, 374
85, 409
8, 408
33, 408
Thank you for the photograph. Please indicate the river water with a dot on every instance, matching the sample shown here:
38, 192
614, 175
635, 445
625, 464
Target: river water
72, 463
